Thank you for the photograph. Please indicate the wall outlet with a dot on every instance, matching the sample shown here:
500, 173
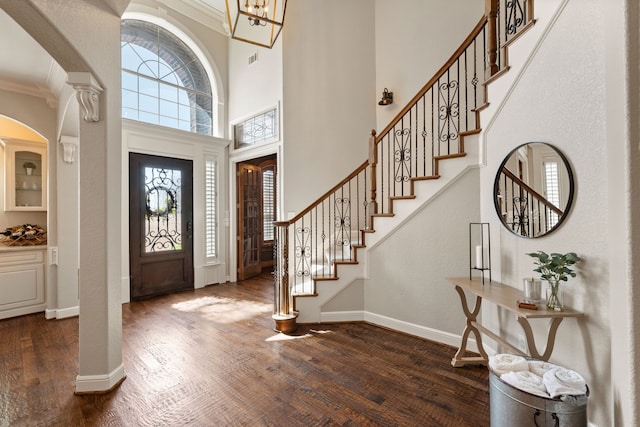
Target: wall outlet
53, 255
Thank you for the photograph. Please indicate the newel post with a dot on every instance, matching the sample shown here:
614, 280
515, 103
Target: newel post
283, 313
373, 162
491, 10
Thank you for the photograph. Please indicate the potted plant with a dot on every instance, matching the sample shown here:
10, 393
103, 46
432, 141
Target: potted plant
29, 167
554, 268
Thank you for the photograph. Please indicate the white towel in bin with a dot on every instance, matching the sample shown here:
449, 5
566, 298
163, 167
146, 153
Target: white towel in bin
561, 381
540, 368
526, 381
503, 363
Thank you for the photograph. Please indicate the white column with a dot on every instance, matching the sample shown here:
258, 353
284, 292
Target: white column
101, 365
68, 230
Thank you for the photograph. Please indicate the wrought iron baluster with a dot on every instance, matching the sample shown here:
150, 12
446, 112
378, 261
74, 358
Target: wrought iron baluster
323, 236
484, 48
458, 95
424, 135
389, 169
466, 92
365, 202
433, 131
474, 80
357, 198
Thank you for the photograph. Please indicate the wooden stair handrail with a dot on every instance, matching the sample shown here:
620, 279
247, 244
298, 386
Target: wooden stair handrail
465, 44
530, 190
324, 196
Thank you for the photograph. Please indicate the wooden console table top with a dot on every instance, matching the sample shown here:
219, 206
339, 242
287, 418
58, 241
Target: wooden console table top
506, 297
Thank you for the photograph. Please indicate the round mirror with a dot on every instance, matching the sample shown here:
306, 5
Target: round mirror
533, 189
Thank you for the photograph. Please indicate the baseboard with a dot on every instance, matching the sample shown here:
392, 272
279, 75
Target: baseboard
125, 289
62, 313
400, 326
88, 384
341, 316
21, 311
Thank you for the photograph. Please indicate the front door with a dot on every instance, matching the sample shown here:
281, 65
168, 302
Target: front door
160, 225
249, 220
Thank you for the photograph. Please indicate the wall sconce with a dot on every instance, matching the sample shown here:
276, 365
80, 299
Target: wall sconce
387, 97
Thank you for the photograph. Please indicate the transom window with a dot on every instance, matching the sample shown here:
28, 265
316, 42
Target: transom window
163, 81
259, 128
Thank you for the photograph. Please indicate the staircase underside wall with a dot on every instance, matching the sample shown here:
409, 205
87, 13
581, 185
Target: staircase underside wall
406, 282
407, 270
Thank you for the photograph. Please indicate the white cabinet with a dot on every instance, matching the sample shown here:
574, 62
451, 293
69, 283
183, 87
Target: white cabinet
25, 176
22, 289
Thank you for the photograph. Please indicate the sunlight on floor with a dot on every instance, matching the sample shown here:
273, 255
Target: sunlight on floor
224, 310
285, 337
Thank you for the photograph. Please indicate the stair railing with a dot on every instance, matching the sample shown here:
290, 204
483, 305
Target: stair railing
525, 211
430, 128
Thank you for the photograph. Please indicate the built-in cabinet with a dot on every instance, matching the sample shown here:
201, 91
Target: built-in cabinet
22, 281
25, 176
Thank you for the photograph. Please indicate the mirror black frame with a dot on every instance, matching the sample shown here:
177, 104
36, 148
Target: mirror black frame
497, 196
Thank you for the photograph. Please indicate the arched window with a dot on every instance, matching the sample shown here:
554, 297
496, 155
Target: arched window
163, 81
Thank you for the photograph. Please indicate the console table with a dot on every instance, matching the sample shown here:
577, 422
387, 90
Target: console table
507, 298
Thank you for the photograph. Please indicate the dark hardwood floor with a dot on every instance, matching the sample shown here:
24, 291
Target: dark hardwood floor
209, 357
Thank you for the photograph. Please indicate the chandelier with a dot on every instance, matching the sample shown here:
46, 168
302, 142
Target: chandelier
257, 22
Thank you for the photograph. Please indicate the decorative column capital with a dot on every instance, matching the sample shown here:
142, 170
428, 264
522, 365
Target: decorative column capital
70, 146
88, 93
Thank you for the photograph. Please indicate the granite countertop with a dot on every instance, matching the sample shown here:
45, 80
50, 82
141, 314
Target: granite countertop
7, 248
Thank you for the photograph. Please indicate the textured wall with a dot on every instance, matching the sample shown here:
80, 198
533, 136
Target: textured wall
560, 99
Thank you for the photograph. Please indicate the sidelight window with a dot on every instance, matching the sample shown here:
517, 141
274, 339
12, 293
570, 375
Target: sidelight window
211, 229
552, 190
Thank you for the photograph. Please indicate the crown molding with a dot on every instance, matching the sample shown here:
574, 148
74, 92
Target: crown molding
36, 90
200, 11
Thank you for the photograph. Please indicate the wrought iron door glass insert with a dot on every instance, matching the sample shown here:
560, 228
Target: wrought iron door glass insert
162, 209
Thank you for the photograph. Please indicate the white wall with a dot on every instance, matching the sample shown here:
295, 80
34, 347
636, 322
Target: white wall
329, 97
413, 39
255, 87
560, 100
407, 270
622, 59
252, 90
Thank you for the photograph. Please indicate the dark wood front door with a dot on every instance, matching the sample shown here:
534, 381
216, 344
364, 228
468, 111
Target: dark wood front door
249, 220
160, 225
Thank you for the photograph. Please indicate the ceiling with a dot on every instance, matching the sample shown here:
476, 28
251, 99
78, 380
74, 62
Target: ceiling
25, 67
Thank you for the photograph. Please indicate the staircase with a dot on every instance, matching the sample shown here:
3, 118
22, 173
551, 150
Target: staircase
430, 144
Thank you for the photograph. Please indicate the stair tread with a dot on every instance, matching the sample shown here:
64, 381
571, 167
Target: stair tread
402, 197
450, 156
324, 278
497, 75
425, 178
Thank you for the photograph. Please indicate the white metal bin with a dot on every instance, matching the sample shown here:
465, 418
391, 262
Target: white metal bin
511, 407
